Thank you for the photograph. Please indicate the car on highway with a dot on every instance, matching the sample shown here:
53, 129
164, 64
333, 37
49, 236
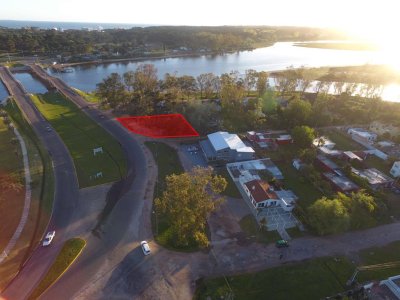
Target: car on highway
145, 247
48, 129
282, 244
48, 238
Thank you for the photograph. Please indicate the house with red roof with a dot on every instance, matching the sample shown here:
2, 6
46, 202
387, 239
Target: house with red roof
263, 195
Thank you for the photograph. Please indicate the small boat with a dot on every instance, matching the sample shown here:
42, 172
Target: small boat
67, 70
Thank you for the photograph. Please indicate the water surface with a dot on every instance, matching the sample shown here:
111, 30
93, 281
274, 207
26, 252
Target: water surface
31, 84
277, 57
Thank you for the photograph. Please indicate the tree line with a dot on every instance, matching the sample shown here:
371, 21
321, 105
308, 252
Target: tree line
136, 40
240, 102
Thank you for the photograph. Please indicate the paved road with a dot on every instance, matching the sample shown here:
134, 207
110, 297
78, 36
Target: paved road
66, 190
129, 222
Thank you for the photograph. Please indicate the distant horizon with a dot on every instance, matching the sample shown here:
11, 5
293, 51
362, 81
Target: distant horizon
150, 25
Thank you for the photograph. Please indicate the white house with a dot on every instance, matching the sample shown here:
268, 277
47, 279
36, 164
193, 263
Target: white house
223, 146
395, 170
262, 195
362, 135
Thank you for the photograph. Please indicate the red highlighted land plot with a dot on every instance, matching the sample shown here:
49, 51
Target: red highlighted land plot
159, 126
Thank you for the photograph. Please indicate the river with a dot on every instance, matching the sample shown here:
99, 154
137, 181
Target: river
3, 92
31, 84
277, 57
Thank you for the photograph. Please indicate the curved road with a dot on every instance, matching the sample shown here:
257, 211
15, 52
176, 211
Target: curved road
66, 192
129, 222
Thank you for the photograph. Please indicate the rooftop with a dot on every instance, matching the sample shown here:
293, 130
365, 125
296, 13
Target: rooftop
326, 161
373, 176
260, 190
352, 155
342, 182
257, 165
222, 140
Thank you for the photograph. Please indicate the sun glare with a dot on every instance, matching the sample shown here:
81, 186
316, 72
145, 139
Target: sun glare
380, 32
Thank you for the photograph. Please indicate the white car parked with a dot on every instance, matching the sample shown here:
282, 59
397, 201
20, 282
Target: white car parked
48, 238
145, 247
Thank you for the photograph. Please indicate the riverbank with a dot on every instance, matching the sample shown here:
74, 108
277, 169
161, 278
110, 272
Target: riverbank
353, 46
146, 58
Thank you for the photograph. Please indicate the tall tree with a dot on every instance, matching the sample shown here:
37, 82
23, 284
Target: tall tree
303, 136
112, 90
145, 81
298, 112
188, 200
250, 80
262, 83
328, 216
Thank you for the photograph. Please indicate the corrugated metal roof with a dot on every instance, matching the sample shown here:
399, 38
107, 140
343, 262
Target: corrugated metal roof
222, 140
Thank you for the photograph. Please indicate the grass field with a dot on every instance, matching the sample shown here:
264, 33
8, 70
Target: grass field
313, 279
309, 280
70, 251
343, 141
11, 201
231, 189
89, 97
372, 256
81, 135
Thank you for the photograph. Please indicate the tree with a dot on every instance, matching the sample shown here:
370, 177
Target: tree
112, 90
187, 85
207, 83
361, 208
188, 200
308, 155
298, 112
145, 81
328, 216
262, 82
268, 102
250, 80
303, 136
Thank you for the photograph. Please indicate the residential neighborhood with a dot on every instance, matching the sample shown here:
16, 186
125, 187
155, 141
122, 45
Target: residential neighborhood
206, 151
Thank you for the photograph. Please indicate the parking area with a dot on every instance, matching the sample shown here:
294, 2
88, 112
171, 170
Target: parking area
277, 218
191, 156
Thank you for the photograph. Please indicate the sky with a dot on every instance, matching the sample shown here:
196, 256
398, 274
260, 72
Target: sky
360, 16
205, 12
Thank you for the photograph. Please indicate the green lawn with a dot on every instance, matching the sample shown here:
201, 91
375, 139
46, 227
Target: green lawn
11, 202
89, 97
313, 279
343, 141
167, 161
308, 280
231, 189
249, 226
372, 256
70, 251
81, 135
293, 180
